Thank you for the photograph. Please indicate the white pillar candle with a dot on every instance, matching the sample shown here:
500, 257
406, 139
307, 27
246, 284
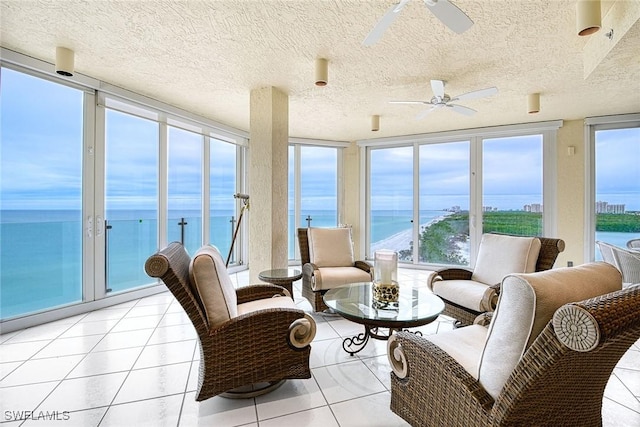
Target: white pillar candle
385, 267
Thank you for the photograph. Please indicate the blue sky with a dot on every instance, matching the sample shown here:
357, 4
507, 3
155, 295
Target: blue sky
41, 162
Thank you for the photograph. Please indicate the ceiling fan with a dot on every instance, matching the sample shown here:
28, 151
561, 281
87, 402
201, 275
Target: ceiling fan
441, 99
447, 12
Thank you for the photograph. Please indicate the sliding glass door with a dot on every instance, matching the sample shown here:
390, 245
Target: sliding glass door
391, 206
131, 199
41, 218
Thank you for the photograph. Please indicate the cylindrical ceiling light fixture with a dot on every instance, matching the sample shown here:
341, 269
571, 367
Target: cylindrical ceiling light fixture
533, 103
375, 123
322, 72
64, 61
587, 17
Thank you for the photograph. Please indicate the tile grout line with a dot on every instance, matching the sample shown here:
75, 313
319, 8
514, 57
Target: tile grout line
134, 362
50, 342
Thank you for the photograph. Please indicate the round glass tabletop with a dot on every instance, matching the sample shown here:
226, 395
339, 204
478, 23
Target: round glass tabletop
280, 274
416, 306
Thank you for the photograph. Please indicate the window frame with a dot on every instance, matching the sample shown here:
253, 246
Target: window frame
591, 125
296, 144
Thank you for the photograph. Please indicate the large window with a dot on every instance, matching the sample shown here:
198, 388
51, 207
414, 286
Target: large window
222, 187
92, 183
445, 190
617, 184
185, 188
313, 189
444, 193
512, 185
318, 190
41, 225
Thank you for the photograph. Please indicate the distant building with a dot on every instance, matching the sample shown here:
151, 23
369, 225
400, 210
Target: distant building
605, 207
533, 207
617, 209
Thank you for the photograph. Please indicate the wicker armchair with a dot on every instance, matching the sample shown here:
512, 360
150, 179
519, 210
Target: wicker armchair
319, 273
465, 311
634, 244
247, 336
558, 379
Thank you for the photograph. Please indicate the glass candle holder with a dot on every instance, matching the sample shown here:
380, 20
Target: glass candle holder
385, 267
385, 279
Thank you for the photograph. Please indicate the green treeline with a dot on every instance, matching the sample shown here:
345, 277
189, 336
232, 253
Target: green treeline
623, 223
439, 242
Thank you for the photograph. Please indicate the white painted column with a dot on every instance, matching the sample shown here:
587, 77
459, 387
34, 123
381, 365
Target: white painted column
268, 175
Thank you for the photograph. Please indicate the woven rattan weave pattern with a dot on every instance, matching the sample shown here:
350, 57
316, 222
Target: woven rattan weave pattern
248, 349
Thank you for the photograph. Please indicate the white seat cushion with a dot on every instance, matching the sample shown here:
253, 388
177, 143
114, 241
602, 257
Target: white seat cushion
527, 303
213, 284
500, 255
330, 247
467, 293
331, 277
464, 345
265, 303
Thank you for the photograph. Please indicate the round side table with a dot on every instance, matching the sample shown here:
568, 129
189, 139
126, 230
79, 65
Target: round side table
281, 276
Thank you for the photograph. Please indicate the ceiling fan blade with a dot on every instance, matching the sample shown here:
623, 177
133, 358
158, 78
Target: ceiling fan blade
462, 110
410, 102
476, 94
424, 114
384, 23
450, 15
437, 86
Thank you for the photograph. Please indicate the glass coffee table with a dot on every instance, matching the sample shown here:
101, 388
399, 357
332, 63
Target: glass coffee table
416, 306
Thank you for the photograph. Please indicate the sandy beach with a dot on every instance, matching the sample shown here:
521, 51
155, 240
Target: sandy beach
400, 241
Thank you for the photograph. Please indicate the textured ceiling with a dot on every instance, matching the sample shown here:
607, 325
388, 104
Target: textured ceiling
206, 57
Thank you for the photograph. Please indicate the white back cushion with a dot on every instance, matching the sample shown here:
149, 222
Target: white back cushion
330, 247
211, 279
527, 303
500, 255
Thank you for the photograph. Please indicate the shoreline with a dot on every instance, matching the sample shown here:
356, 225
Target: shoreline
401, 241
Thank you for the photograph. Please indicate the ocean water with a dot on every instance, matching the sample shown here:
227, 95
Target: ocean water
41, 251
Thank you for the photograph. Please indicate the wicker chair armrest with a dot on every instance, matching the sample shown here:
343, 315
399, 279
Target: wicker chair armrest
308, 269
364, 265
455, 274
268, 327
614, 312
435, 380
490, 298
259, 291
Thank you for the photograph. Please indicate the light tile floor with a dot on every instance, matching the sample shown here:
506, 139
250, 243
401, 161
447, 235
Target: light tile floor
135, 364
